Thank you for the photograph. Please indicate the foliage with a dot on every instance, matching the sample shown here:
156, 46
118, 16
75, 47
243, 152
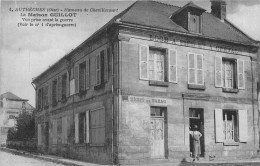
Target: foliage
25, 127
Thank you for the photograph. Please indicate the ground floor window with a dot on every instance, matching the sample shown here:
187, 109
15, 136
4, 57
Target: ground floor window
230, 125
90, 126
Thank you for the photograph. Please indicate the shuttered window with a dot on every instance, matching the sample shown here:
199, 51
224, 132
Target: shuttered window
153, 66
76, 79
231, 125
64, 86
195, 69
40, 98
97, 126
82, 76
59, 88
229, 73
54, 92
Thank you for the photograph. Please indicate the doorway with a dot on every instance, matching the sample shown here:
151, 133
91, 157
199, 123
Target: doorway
158, 132
196, 117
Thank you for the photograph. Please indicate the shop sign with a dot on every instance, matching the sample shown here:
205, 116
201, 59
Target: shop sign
148, 100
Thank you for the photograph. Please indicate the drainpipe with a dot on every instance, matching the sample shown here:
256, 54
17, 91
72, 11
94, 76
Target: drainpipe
183, 107
253, 102
112, 91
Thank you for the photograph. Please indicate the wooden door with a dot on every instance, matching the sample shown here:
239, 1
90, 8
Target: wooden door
157, 137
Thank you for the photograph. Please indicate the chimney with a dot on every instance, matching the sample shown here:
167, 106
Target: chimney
218, 8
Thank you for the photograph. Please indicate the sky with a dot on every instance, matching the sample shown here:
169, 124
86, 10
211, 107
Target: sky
25, 52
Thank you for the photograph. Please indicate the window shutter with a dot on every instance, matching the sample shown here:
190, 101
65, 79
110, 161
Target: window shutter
59, 88
219, 125
218, 72
77, 79
87, 74
200, 73
39, 134
47, 95
240, 74
243, 127
173, 66
97, 67
76, 128
106, 66
87, 126
64, 130
102, 67
51, 132
191, 68
143, 62
54, 131
68, 85
50, 93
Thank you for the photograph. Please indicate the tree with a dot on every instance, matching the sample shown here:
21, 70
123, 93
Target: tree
24, 129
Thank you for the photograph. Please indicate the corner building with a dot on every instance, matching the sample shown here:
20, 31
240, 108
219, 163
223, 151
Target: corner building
131, 92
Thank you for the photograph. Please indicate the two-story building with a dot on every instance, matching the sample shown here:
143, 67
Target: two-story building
10, 107
133, 90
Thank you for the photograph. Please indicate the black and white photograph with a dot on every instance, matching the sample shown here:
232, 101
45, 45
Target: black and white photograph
130, 82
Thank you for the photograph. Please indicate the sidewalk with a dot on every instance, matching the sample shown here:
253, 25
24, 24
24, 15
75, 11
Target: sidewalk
51, 158
70, 162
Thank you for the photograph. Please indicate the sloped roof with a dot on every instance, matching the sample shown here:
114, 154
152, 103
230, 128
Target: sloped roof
11, 96
156, 14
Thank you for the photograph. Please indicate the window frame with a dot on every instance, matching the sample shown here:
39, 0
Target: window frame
234, 73
235, 125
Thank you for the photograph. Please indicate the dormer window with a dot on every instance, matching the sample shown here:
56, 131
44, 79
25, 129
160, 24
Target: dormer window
194, 23
189, 17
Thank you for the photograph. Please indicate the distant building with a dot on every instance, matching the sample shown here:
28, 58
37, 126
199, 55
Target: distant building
10, 107
132, 91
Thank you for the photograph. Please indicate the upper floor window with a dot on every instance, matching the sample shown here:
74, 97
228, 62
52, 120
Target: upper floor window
229, 73
100, 74
54, 91
153, 66
156, 64
195, 69
64, 86
82, 76
39, 98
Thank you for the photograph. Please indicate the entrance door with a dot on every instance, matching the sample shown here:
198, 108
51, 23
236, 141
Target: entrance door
197, 118
157, 134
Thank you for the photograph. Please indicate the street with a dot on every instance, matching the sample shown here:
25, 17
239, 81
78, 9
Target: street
8, 159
